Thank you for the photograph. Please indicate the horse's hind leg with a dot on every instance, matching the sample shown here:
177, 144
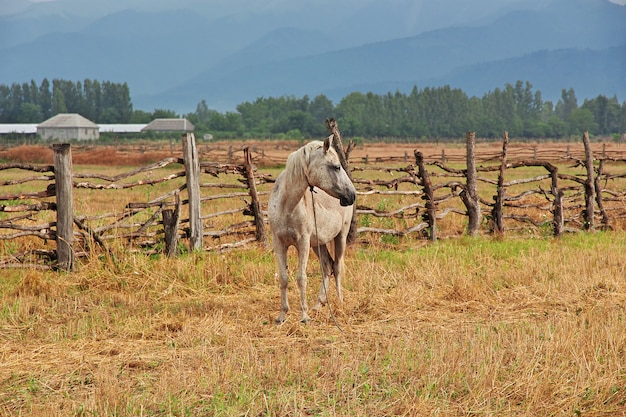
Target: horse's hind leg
338, 264
283, 280
326, 263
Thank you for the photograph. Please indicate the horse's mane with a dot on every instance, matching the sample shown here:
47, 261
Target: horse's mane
296, 167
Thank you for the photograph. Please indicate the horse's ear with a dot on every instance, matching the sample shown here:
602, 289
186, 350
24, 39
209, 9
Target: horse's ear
327, 143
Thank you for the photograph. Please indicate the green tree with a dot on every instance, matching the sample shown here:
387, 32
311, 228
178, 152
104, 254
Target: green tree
566, 104
321, 108
58, 99
109, 115
92, 99
5, 93
351, 113
116, 96
164, 114
580, 120
141, 117
30, 113
45, 99
606, 113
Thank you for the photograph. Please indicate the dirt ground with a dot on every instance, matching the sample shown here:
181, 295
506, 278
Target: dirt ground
274, 152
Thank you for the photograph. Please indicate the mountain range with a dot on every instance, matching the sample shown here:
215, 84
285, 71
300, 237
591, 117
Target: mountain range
230, 51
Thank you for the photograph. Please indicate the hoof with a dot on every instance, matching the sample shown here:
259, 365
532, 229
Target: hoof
280, 319
305, 319
317, 306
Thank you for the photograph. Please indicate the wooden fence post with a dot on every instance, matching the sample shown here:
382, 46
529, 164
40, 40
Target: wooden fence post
598, 189
255, 206
171, 220
496, 213
589, 184
65, 205
557, 205
333, 128
192, 172
430, 215
470, 194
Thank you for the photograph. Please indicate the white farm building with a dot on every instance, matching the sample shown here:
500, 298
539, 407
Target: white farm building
68, 126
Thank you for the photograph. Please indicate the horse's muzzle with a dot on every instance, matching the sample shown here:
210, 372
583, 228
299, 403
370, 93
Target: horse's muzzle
347, 199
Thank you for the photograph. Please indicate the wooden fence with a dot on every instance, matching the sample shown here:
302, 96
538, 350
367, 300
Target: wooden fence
53, 227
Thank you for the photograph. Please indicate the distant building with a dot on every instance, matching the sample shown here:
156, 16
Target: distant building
169, 125
68, 126
18, 128
121, 128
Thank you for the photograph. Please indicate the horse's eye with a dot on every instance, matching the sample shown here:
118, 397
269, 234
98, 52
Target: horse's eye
337, 167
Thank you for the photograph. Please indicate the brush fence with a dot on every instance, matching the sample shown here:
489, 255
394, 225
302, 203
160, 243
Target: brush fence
202, 205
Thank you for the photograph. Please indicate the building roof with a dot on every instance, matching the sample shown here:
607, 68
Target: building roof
65, 120
122, 128
6, 128
170, 125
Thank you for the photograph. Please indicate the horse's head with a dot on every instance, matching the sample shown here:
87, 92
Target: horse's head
325, 172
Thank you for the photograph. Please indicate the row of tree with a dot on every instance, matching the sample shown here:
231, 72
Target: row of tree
431, 113
103, 102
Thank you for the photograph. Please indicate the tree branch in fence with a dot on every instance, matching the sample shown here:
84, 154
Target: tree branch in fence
383, 192
39, 234
241, 228
393, 232
27, 179
243, 210
399, 213
394, 183
115, 178
95, 236
27, 207
114, 186
27, 167
446, 168
226, 246
49, 192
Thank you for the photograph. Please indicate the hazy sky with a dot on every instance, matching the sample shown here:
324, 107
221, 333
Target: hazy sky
96, 8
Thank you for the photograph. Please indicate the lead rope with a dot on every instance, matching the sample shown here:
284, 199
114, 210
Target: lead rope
321, 265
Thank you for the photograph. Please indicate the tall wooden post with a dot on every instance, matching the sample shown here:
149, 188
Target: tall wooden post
192, 172
337, 143
557, 205
589, 184
470, 194
171, 220
430, 215
496, 213
598, 189
255, 206
65, 205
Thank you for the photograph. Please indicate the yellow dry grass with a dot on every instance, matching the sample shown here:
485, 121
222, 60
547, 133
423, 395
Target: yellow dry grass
461, 327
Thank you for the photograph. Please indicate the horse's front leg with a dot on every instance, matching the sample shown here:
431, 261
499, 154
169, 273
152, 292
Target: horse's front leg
283, 280
303, 259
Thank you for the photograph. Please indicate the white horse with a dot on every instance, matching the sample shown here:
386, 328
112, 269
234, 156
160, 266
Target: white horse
313, 174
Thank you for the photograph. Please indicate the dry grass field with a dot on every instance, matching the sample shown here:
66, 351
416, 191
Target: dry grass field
510, 326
